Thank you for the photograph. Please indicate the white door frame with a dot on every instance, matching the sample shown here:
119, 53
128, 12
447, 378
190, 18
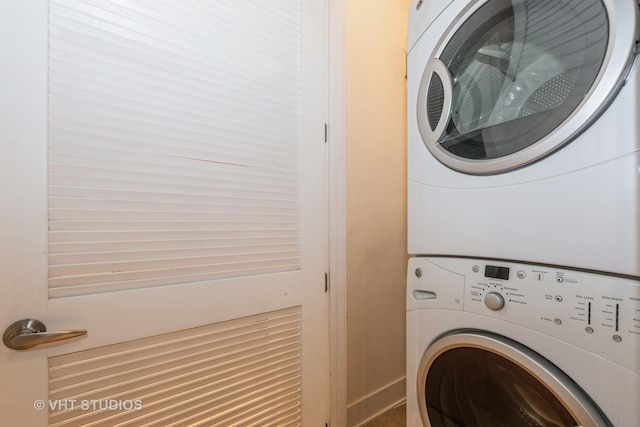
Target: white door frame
337, 217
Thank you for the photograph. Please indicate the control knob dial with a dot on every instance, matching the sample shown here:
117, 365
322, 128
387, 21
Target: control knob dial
494, 301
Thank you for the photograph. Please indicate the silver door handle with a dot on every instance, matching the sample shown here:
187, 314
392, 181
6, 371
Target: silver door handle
431, 136
28, 333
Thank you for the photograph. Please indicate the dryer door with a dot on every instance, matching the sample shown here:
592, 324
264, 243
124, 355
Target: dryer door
475, 378
513, 80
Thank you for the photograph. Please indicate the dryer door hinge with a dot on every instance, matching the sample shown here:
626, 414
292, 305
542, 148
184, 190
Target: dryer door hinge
326, 133
326, 282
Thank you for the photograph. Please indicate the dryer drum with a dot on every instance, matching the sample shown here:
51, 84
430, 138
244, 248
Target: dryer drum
480, 379
551, 94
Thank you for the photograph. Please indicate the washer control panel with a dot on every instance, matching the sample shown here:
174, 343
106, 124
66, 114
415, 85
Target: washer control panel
522, 293
597, 312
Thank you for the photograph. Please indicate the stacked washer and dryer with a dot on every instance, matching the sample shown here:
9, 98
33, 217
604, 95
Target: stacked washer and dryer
523, 297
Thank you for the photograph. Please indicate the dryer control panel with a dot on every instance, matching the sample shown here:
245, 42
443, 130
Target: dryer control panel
597, 312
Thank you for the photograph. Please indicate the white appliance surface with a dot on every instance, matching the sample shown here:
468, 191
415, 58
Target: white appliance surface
585, 324
576, 206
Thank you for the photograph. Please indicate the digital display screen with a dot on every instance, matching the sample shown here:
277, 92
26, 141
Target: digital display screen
496, 272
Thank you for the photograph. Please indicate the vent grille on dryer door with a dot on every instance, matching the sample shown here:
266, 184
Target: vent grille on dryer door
435, 101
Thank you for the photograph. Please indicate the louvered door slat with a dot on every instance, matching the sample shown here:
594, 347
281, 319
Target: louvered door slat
237, 372
171, 121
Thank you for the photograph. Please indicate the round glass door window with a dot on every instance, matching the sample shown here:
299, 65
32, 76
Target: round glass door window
477, 379
510, 75
471, 387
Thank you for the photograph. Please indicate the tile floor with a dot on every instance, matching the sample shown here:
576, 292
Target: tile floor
394, 418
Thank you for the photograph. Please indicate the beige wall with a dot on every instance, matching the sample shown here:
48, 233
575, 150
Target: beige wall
376, 204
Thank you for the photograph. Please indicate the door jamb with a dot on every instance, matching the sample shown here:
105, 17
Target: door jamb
337, 217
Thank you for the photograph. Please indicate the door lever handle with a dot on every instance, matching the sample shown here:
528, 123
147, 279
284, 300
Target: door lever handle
28, 333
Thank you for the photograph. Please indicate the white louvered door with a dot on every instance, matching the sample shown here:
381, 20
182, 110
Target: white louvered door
163, 186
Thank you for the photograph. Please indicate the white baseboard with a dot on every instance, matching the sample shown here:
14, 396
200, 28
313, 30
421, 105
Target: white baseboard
377, 403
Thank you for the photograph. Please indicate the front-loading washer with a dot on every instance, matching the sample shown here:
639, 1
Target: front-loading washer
523, 131
504, 344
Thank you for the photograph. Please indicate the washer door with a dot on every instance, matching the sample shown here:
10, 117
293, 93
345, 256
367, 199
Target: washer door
513, 80
480, 379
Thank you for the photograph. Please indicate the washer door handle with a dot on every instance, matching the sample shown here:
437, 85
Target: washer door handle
433, 117
420, 295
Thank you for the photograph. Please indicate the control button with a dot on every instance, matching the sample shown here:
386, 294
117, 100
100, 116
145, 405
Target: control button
494, 301
475, 268
521, 274
558, 298
539, 277
557, 321
588, 330
617, 338
559, 279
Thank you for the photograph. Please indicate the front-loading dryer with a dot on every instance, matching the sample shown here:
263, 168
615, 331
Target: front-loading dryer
503, 344
524, 133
